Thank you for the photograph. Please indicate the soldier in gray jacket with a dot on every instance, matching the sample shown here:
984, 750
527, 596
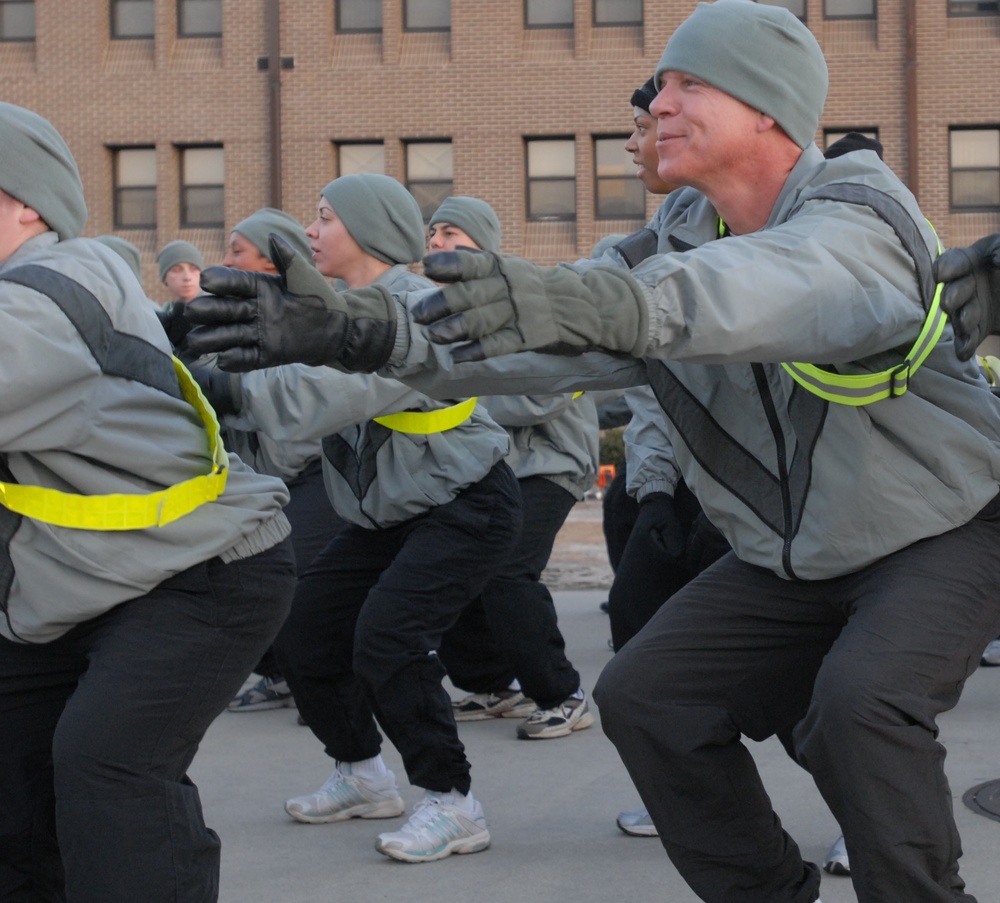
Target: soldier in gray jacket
431, 510
790, 326
506, 648
143, 570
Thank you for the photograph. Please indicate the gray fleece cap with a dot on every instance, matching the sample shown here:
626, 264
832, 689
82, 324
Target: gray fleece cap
761, 55
381, 215
37, 168
126, 250
259, 225
175, 252
474, 217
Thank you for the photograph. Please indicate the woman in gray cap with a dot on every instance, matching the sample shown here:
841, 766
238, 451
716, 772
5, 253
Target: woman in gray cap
295, 461
431, 511
180, 264
506, 650
143, 570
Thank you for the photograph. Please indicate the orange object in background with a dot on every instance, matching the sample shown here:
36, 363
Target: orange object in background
605, 474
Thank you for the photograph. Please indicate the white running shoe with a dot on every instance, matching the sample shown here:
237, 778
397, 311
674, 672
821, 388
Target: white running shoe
570, 715
345, 796
991, 654
637, 823
836, 862
436, 830
483, 706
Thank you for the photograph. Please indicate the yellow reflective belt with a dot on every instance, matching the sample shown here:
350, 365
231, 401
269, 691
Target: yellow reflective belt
129, 511
856, 390
429, 421
861, 389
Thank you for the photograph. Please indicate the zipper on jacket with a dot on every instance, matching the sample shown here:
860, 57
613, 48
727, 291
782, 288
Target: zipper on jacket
782, 459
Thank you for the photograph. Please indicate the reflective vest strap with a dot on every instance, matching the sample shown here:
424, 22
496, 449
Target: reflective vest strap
429, 421
860, 389
864, 388
125, 511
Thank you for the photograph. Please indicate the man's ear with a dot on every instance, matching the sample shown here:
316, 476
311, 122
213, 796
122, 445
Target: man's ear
29, 216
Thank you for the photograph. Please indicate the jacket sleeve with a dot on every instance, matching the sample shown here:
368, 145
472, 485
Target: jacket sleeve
830, 285
649, 454
295, 401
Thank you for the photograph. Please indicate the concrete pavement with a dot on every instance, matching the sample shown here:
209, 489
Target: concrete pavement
550, 806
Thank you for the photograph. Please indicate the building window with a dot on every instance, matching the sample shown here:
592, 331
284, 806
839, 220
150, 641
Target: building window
135, 188
132, 18
849, 9
426, 15
429, 174
618, 12
17, 20
795, 7
199, 18
202, 187
618, 193
975, 169
359, 16
551, 167
973, 7
355, 158
548, 13
832, 136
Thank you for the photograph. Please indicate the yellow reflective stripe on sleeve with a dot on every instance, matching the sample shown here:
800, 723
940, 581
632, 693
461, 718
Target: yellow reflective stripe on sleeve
129, 511
429, 421
861, 389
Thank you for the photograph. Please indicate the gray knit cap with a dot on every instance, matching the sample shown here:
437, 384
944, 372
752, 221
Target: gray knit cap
175, 252
380, 214
762, 55
37, 168
126, 250
259, 225
474, 217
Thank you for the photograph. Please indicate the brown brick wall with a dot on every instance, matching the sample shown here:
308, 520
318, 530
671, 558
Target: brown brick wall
485, 85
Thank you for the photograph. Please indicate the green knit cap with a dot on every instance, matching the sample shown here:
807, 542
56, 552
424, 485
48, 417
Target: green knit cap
126, 250
380, 214
37, 168
759, 54
474, 217
175, 252
259, 225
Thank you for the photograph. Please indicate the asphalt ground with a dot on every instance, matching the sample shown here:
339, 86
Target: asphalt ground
550, 804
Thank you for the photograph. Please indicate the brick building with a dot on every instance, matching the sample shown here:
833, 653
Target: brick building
186, 115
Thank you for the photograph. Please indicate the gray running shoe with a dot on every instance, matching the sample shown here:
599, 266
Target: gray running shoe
637, 823
483, 706
570, 715
836, 862
265, 694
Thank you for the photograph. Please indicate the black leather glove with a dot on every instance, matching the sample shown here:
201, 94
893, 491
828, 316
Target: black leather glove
660, 517
971, 293
221, 389
257, 320
175, 324
501, 304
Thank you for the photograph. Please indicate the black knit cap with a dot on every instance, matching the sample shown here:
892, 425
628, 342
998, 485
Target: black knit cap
643, 97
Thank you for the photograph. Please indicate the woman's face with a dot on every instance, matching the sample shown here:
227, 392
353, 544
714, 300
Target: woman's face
333, 249
446, 237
